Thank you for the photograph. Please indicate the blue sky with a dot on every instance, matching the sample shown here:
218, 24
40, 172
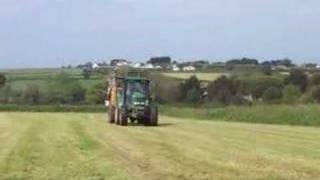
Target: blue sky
42, 33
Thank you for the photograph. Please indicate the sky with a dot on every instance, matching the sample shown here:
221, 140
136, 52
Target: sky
52, 33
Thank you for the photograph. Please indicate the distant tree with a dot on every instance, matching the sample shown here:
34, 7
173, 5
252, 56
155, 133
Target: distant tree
272, 94
31, 95
97, 93
77, 93
3, 80
86, 72
243, 61
222, 90
315, 79
162, 61
298, 78
190, 90
315, 92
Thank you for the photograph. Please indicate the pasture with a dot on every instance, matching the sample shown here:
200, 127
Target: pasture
84, 146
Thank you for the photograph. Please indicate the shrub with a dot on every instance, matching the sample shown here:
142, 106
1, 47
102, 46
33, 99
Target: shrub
193, 95
257, 87
315, 79
3, 80
266, 69
222, 90
77, 93
306, 98
97, 94
298, 78
315, 92
291, 94
190, 90
165, 90
31, 95
272, 94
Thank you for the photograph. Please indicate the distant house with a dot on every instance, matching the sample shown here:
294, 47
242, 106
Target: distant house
280, 67
188, 68
118, 62
95, 66
175, 68
137, 65
148, 66
318, 66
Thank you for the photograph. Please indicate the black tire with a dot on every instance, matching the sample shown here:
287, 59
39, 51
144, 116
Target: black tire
154, 116
117, 116
111, 114
123, 119
152, 119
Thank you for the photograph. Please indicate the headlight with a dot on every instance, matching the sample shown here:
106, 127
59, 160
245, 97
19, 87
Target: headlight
138, 103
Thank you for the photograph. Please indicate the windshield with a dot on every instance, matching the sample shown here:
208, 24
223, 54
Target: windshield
136, 92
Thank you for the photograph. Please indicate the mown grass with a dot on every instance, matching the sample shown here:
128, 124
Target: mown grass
306, 115
83, 146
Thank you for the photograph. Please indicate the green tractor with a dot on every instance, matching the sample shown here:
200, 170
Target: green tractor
129, 98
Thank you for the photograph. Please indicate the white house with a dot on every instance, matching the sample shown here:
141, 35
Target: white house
136, 65
318, 66
148, 66
175, 68
95, 66
189, 68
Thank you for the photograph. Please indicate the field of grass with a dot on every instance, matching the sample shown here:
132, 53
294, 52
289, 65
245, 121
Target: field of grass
84, 146
200, 75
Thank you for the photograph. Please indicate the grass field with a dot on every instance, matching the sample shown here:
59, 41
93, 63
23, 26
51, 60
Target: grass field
201, 76
84, 146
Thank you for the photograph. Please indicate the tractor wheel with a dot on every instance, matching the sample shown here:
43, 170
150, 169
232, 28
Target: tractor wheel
154, 115
123, 119
111, 114
117, 116
152, 119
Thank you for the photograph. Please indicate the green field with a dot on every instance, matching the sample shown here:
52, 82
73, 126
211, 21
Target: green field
201, 76
20, 78
84, 146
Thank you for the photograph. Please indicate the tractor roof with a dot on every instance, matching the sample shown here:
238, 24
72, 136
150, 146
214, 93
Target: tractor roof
130, 73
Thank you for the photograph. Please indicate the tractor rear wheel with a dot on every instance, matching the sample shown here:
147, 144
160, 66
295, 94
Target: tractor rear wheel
117, 116
111, 114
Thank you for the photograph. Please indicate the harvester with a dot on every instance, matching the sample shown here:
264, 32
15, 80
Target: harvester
128, 98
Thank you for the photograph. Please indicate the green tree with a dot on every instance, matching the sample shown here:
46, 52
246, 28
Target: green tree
31, 95
191, 87
97, 94
3, 80
86, 73
315, 92
291, 94
298, 78
222, 90
77, 92
272, 94
266, 69
315, 79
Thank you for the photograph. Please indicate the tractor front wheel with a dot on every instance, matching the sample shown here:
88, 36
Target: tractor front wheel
123, 119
